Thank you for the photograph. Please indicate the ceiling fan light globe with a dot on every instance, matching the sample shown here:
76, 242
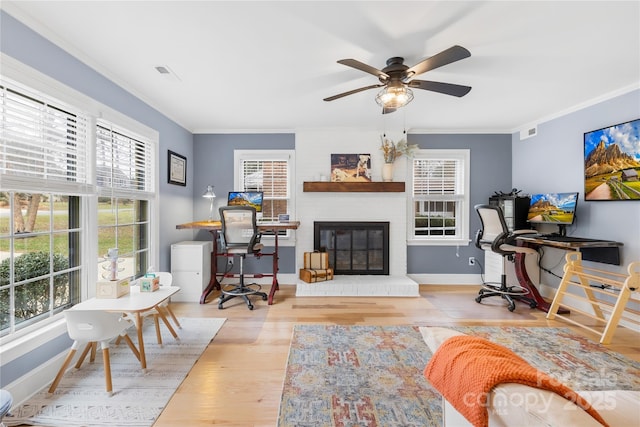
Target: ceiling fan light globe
394, 97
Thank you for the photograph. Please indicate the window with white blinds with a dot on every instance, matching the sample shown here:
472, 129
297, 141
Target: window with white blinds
269, 171
44, 147
124, 162
440, 183
43, 143
55, 151
125, 180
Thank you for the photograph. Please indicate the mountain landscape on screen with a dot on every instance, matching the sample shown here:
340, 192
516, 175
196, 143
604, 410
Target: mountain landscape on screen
612, 162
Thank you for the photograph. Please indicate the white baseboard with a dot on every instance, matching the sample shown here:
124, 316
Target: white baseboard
283, 279
40, 377
447, 279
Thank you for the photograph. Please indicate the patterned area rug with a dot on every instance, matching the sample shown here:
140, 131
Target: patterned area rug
138, 397
347, 376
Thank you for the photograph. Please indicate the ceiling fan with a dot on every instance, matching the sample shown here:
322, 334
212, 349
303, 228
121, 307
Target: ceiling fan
397, 78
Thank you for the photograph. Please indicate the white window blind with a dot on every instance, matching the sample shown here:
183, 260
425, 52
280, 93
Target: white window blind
440, 184
269, 171
43, 143
270, 176
124, 162
438, 176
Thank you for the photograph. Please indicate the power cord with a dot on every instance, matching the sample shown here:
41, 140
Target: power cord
482, 276
548, 269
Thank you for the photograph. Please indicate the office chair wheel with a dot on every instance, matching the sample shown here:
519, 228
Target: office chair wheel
533, 304
478, 300
220, 307
264, 298
512, 306
250, 306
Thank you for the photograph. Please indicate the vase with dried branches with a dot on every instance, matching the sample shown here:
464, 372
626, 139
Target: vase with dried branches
391, 152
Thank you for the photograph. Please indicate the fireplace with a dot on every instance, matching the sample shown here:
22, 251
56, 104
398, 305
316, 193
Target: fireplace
355, 248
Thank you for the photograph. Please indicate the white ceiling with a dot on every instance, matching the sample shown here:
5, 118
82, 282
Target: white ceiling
266, 66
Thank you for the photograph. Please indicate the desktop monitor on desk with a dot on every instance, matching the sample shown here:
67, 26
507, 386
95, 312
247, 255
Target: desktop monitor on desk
553, 208
246, 198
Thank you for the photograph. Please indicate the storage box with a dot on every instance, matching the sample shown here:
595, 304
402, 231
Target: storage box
149, 284
316, 260
112, 288
312, 276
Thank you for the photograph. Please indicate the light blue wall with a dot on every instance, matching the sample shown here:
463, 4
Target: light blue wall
213, 155
176, 202
553, 161
23, 44
490, 172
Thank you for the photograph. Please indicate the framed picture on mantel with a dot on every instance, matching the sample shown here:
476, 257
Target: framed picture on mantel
177, 169
351, 168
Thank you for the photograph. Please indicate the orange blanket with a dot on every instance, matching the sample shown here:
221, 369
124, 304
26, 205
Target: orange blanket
465, 368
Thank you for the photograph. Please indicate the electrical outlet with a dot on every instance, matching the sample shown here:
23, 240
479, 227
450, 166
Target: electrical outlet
230, 262
472, 260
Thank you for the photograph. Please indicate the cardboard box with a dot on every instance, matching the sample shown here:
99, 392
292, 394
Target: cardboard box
312, 276
112, 288
316, 260
149, 284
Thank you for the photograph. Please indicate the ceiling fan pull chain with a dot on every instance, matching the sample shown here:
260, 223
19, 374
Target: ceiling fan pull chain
404, 124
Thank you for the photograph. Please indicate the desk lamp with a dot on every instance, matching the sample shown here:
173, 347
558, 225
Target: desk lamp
209, 194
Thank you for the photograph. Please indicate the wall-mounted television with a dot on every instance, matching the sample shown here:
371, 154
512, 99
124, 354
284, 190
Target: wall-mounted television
553, 208
246, 198
612, 162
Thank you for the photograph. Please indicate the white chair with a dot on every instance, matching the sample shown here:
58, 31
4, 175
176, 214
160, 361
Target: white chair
94, 327
166, 279
496, 237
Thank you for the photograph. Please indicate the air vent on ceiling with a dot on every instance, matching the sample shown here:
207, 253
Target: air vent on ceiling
167, 73
528, 132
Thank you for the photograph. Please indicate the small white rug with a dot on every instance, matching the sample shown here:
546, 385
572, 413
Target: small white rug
138, 397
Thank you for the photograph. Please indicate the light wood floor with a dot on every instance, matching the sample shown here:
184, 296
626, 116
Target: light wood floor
238, 379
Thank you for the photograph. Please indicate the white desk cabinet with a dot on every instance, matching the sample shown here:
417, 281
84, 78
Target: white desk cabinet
493, 269
191, 269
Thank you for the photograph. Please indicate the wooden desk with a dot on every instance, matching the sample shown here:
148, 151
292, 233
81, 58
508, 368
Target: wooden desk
214, 227
135, 302
598, 250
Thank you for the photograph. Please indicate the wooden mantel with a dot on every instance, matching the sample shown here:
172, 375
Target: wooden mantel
355, 187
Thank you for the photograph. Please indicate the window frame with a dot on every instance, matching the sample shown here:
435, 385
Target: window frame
462, 214
51, 88
115, 139
285, 238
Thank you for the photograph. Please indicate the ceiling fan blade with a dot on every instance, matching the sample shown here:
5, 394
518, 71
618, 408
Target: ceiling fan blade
386, 110
351, 92
446, 88
363, 67
453, 54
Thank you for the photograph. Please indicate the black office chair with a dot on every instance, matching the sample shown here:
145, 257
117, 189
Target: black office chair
495, 236
240, 237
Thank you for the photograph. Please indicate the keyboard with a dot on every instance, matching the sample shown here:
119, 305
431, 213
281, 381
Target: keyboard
567, 239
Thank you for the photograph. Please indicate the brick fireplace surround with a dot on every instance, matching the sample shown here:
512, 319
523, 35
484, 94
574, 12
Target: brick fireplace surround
313, 154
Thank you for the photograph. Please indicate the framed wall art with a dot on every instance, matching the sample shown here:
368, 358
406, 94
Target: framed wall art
612, 162
351, 168
177, 169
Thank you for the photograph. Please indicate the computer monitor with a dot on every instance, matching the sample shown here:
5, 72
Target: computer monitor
553, 208
246, 198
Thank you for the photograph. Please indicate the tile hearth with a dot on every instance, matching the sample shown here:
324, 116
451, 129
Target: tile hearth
360, 285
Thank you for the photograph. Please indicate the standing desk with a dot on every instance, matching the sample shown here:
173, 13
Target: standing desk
134, 302
214, 227
605, 251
